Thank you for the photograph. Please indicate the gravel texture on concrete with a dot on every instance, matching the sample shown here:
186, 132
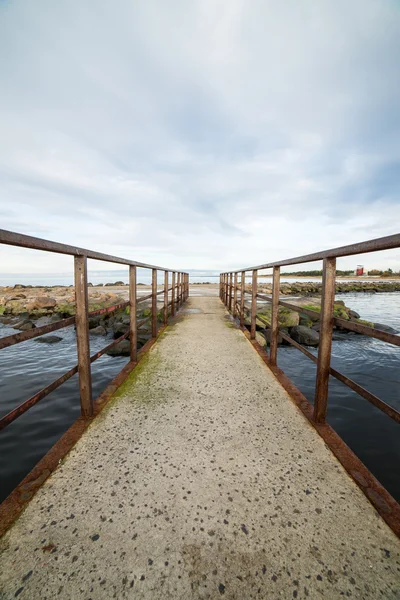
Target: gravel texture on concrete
200, 479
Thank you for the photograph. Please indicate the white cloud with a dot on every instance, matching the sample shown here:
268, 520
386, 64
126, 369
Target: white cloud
209, 135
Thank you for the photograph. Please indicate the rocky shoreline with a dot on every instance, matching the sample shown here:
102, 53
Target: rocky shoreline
314, 288
26, 308
23, 308
303, 327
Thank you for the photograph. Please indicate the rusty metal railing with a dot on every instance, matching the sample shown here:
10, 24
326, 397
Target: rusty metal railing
229, 295
179, 292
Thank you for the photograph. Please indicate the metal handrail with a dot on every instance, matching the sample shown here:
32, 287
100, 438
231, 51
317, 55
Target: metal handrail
385, 243
27, 241
229, 290
180, 292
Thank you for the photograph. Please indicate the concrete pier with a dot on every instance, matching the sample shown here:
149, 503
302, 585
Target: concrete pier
200, 479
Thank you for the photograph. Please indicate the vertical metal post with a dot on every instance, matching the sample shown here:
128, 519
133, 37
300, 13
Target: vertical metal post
242, 295
82, 335
173, 295
230, 291
132, 312
187, 286
165, 297
253, 305
274, 315
234, 294
325, 343
154, 303
226, 289
178, 291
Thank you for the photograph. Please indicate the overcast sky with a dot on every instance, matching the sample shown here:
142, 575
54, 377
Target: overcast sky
203, 134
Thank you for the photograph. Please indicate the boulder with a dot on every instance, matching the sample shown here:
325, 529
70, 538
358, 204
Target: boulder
98, 331
25, 326
305, 320
119, 329
304, 335
121, 349
48, 339
386, 328
143, 338
44, 302
14, 307
66, 310
267, 337
94, 322
353, 314
286, 317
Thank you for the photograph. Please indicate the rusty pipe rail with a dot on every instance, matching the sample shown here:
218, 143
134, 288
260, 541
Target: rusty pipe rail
385, 243
179, 293
229, 294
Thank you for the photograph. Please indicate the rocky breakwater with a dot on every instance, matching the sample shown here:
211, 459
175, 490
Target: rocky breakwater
311, 288
25, 308
304, 327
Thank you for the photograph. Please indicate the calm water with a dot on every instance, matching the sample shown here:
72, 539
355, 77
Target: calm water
373, 436
27, 367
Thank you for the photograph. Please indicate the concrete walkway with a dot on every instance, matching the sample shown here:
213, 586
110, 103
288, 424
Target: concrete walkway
200, 480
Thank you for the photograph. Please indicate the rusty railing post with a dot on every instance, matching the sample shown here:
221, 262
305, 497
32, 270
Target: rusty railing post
274, 314
187, 286
173, 295
165, 297
82, 335
154, 303
234, 294
226, 289
230, 291
253, 304
242, 294
325, 343
181, 288
132, 312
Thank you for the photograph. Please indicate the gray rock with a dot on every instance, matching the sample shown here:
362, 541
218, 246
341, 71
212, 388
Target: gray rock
25, 325
304, 335
386, 328
98, 330
48, 339
94, 322
353, 314
119, 329
44, 302
121, 349
142, 339
267, 334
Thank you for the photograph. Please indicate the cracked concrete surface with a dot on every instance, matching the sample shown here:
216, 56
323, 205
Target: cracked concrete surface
201, 479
